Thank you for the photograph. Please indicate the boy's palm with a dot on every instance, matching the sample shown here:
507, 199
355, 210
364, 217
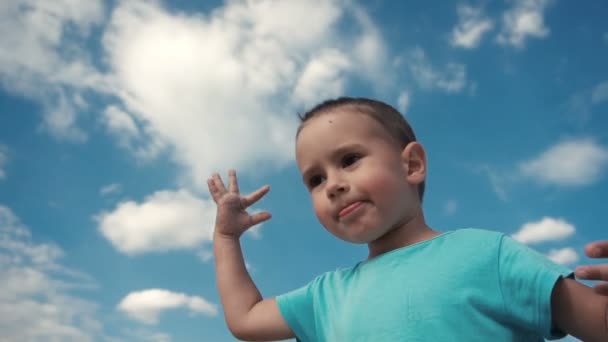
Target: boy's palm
232, 218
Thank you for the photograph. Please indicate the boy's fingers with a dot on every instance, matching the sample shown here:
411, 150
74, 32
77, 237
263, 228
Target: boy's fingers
213, 190
219, 184
597, 272
601, 288
211, 187
254, 196
233, 184
597, 249
260, 217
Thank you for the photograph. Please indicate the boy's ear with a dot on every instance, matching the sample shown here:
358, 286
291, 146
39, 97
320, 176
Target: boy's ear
414, 162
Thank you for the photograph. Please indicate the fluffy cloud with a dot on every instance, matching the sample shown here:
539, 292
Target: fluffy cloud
3, 160
547, 229
581, 104
524, 20
600, 93
471, 27
323, 77
450, 207
499, 180
216, 90
564, 256
36, 302
572, 163
38, 61
451, 79
223, 90
147, 305
110, 189
166, 220
403, 101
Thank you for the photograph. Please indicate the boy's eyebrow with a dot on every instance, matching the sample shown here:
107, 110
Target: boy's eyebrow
333, 155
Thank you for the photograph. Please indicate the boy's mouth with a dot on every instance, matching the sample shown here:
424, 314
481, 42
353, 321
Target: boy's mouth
350, 209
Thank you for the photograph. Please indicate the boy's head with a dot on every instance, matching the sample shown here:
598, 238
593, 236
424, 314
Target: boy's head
360, 160
391, 120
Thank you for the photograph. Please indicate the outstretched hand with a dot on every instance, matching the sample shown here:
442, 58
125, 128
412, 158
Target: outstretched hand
232, 218
597, 249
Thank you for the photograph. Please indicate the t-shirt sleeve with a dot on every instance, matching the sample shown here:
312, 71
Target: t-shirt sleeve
527, 279
297, 308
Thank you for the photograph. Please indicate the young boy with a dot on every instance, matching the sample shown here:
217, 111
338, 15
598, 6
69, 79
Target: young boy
365, 172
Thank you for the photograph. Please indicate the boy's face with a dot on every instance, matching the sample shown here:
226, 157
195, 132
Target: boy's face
357, 175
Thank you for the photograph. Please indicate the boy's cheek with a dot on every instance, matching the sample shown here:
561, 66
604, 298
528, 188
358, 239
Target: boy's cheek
320, 211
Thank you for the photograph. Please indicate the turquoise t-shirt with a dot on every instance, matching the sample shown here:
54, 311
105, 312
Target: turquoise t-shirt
465, 285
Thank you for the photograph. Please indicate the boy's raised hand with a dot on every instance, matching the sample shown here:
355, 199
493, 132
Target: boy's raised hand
232, 218
597, 249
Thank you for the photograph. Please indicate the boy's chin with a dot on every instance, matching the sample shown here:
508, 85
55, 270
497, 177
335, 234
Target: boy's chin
358, 239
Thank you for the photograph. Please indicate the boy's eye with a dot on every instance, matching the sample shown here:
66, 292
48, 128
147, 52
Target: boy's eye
350, 159
315, 181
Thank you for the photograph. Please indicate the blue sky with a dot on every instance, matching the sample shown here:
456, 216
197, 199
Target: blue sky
113, 115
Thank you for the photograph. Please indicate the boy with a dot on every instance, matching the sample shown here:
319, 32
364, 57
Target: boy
365, 172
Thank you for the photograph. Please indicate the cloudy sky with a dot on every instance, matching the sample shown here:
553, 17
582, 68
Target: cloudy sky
114, 113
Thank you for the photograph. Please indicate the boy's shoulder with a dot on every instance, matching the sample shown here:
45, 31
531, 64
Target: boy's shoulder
471, 243
477, 233
470, 236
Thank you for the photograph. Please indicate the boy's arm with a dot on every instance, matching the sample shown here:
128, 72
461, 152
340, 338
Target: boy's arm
576, 309
247, 314
579, 311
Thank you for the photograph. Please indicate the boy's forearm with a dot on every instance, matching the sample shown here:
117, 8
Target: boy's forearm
237, 290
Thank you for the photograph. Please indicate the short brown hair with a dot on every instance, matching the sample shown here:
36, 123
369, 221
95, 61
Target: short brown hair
390, 119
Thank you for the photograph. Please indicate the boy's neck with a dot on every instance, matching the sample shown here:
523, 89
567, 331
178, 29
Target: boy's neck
413, 231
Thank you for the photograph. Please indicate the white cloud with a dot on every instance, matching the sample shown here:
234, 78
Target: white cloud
403, 101
147, 305
118, 121
61, 116
323, 77
142, 142
524, 20
109, 189
38, 60
450, 207
255, 232
498, 180
223, 90
36, 303
205, 255
600, 93
369, 51
3, 160
564, 256
472, 25
215, 90
581, 104
572, 163
547, 229
451, 79
166, 220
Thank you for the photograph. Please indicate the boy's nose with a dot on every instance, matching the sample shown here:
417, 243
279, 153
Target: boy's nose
336, 188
